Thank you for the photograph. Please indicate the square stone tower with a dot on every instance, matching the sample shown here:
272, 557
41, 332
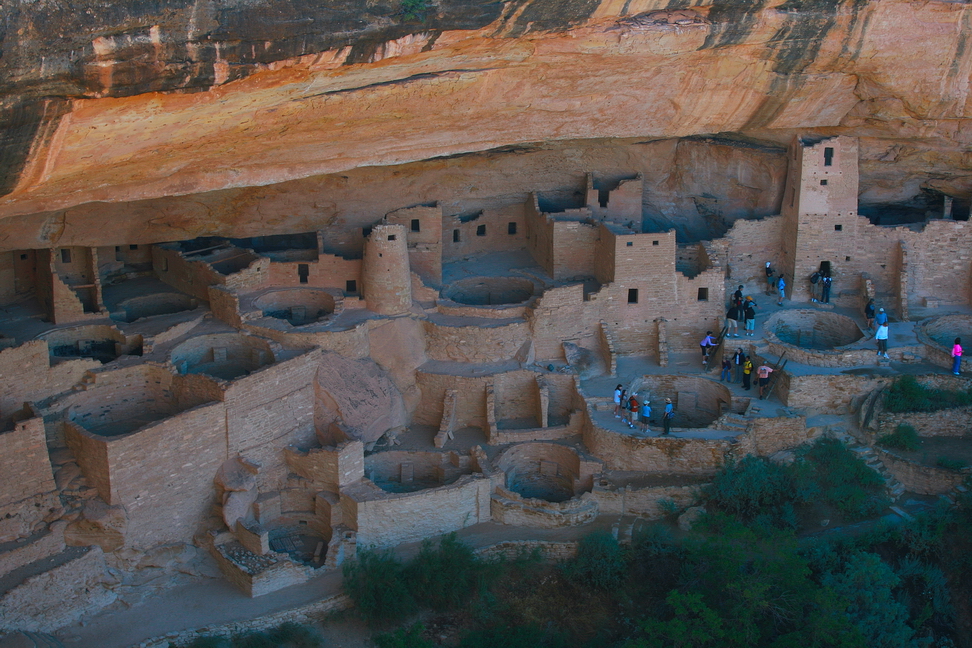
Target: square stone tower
819, 211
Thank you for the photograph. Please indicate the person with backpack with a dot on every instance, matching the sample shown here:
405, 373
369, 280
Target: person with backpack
726, 375
781, 288
827, 281
668, 416
869, 313
624, 405
732, 319
814, 282
737, 297
749, 314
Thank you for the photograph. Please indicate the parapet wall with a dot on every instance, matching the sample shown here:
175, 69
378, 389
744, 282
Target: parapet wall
26, 481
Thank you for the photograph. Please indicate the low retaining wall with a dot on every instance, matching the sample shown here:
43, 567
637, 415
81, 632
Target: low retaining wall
956, 422
508, 507
924, 480
674, 455
642, 502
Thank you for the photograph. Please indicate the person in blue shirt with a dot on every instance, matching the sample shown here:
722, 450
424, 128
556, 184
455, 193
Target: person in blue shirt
881, 317
669, 415
781, 287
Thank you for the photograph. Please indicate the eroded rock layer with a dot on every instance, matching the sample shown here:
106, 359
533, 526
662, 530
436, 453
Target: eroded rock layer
136, 101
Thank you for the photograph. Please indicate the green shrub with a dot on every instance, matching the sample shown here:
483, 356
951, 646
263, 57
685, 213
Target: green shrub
504, 636
754, 487
210, 642
375, 582
845, 480
600, 562
444, 577
906, 395
951, 464
904, 437
404, 638
414, 9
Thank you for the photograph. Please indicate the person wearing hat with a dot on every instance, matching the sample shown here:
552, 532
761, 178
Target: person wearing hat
633, 407
645, 414
769, 279
881, 318
669, 415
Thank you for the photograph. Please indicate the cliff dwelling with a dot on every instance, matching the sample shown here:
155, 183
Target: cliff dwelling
286, 301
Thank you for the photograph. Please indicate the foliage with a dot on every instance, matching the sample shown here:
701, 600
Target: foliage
410, 637
845, 481
670, 509
375, 582
600, 562
754, 487
287, 635
904, 437
443, 578
866, 583
906, 395
414, 9
525, 636
692, 624
951, 464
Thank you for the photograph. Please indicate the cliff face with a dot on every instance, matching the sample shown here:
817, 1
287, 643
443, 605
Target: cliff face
129, 101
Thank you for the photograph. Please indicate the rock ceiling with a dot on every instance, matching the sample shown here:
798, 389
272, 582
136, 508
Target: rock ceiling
135, 101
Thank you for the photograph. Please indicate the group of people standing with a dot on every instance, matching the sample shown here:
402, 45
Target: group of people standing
741, 311
635, 412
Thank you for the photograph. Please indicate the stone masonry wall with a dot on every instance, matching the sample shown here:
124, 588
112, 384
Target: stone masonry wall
924, 480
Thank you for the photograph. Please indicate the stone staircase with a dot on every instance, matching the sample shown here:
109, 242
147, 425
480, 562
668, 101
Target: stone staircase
25, 639
893, 487
952, 497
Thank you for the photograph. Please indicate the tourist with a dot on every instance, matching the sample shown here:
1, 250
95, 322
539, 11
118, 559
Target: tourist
869, 313
617, 401
814, 282
737, 297
749, 314
881, 317
781, 288
668, 416
726, 375
769, 279
882, 340
827, 281
624, 405
732, 319
763, 373
957, 357
707, 343
738, 358
645, 414
633, 408
747, 372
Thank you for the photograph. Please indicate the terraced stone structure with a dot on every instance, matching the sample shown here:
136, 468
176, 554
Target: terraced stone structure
281, 281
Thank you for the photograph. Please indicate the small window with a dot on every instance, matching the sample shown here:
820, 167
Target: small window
366, 232
165, 264
392, 237
351, 286
654, 242
117, 248
848, 259
829, 156
838, 228
629, 244
23, 257
65, 255
632, 295
823, 183
455, 236
481, 230
703, 294
416, 225
303, 270
133, 246
511, 228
